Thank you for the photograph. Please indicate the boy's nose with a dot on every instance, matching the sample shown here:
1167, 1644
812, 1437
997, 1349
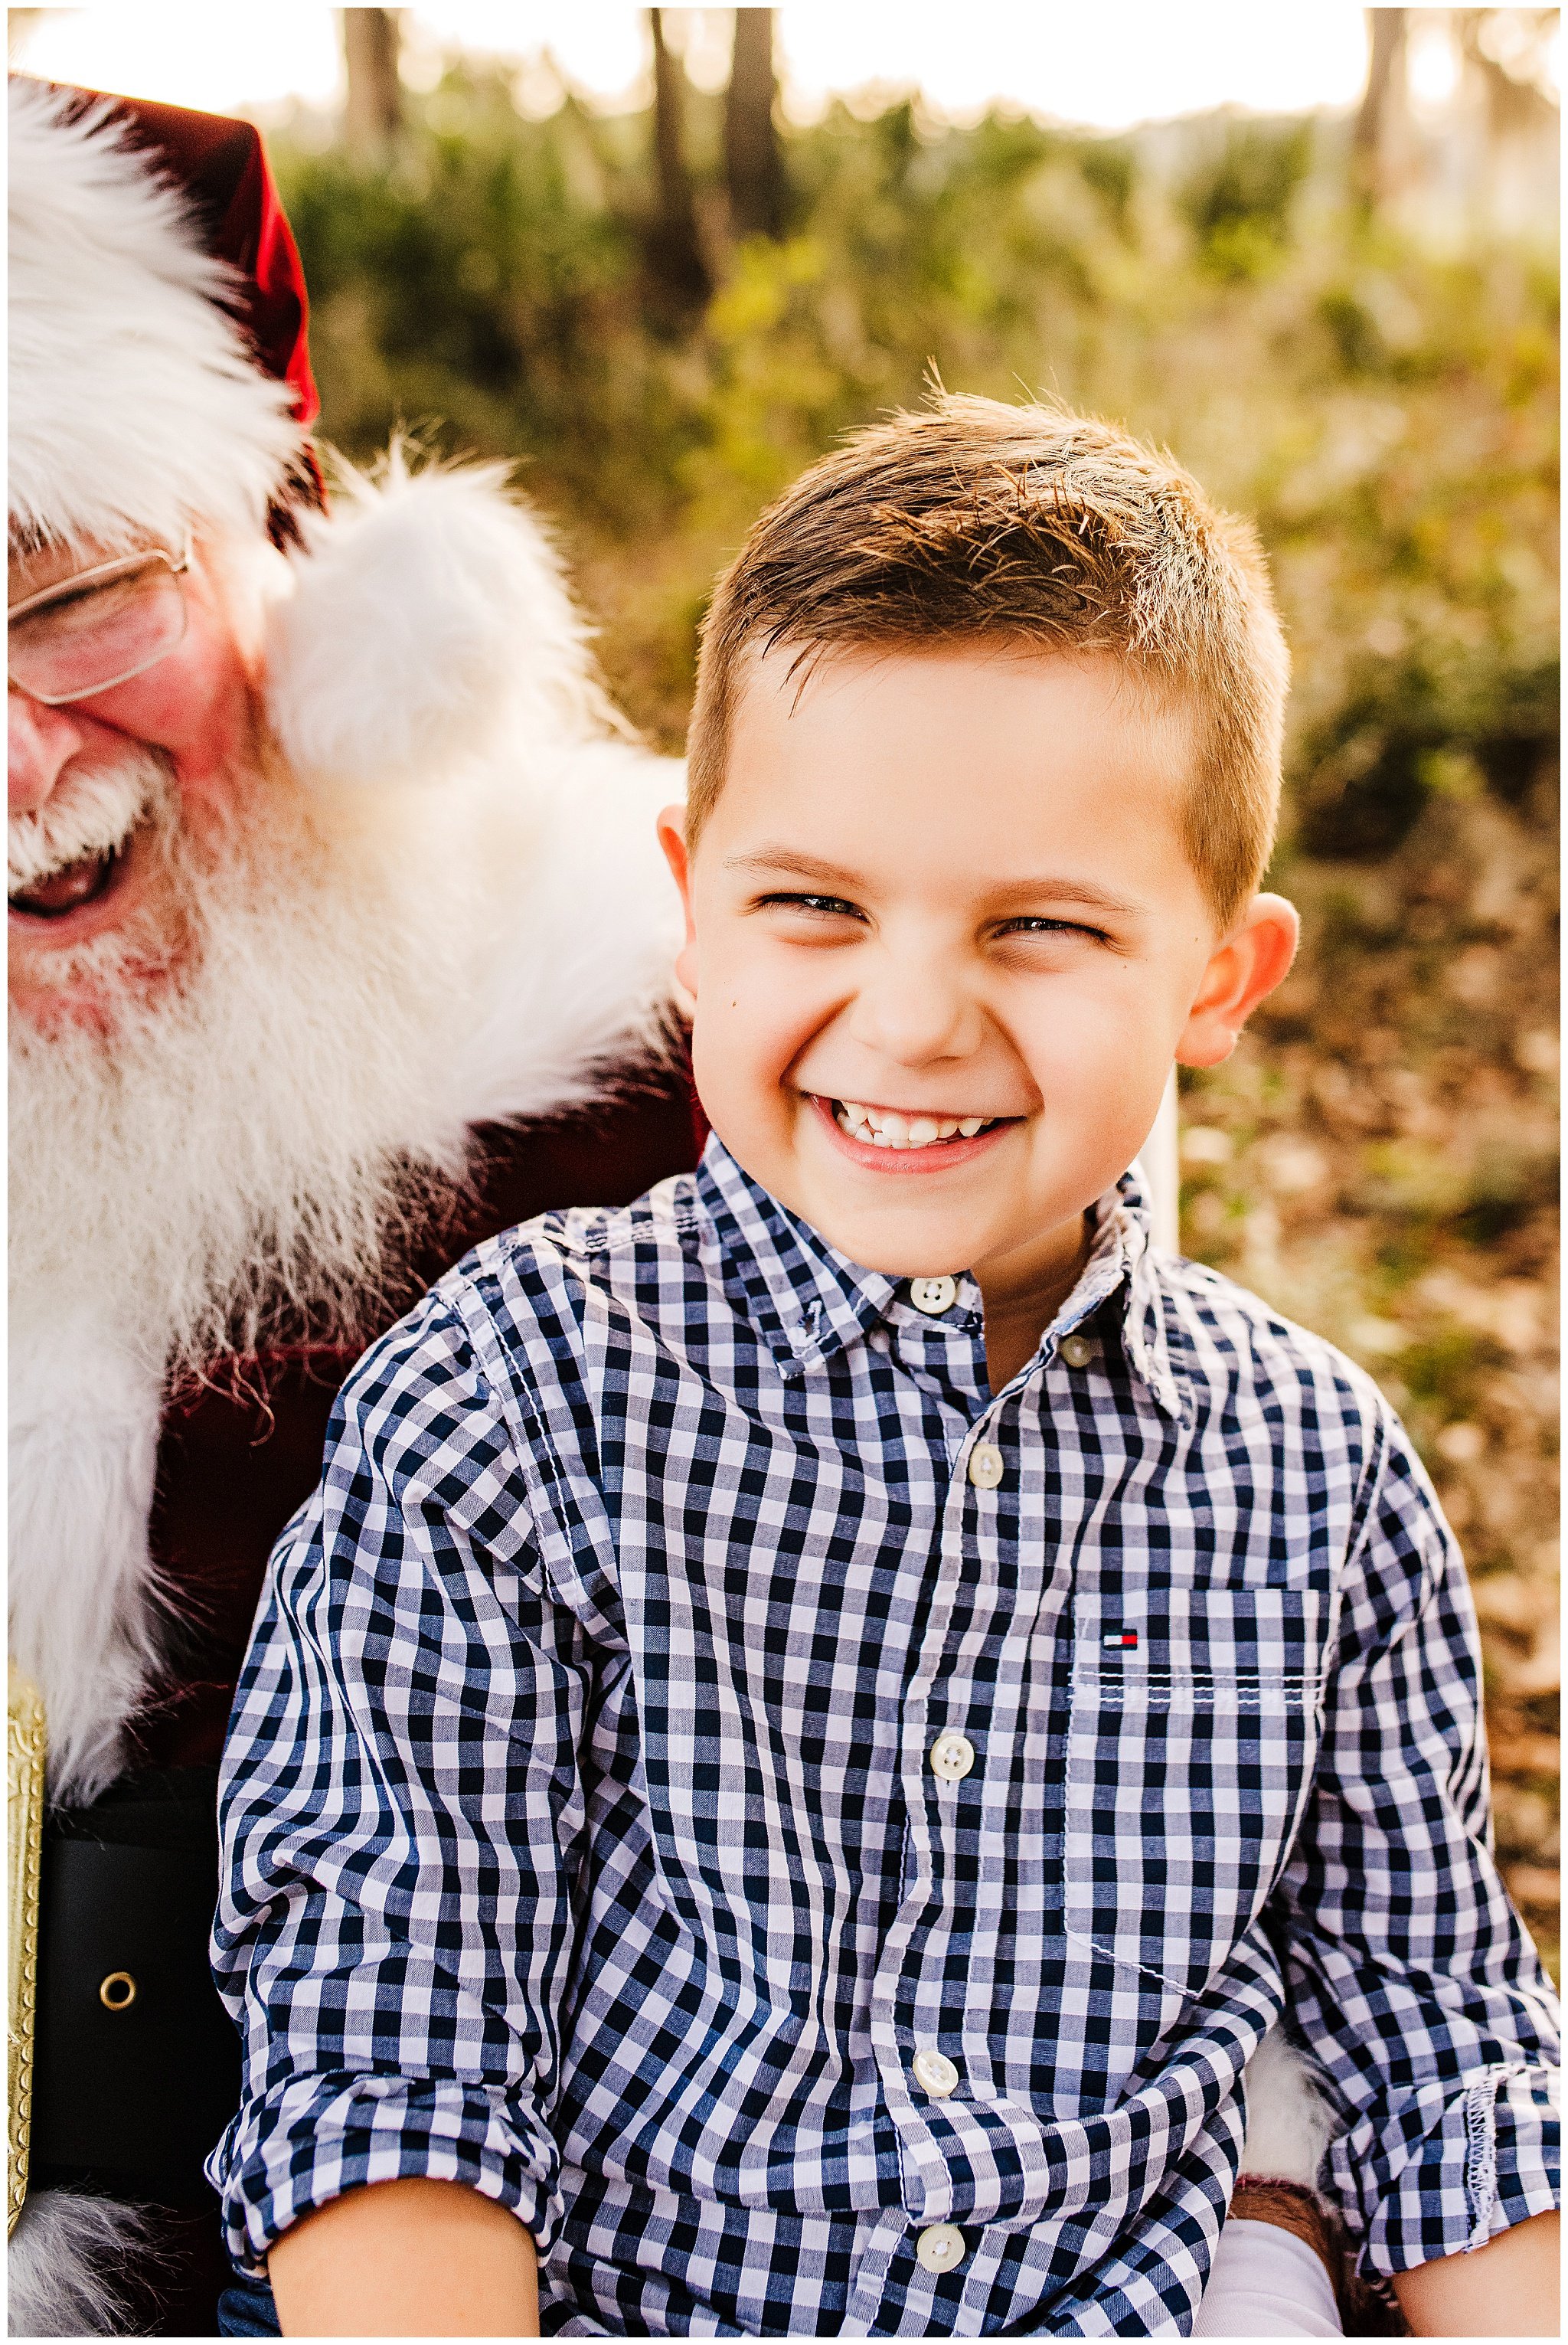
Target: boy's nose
913, 1011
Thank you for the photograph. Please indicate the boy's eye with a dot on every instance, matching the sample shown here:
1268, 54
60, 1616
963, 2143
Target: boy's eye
1033, 925
828, 906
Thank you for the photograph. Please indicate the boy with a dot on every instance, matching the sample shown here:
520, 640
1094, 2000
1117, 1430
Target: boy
816, 1721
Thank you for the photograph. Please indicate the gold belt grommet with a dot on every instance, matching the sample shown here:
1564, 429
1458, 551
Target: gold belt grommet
118, 1990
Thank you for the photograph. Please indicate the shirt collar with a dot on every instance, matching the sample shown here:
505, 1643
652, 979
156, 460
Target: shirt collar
808, 1301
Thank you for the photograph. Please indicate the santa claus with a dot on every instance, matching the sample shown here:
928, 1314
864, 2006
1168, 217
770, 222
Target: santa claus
339, 938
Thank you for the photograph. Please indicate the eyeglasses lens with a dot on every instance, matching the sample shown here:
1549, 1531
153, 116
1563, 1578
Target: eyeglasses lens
86, 643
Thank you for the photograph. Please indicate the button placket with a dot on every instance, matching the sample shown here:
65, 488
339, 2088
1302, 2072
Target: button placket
903, 1991
899, 1982
869, 2271
942, 2135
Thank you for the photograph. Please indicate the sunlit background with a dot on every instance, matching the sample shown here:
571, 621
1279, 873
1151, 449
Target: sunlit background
1107, 65
1310, 247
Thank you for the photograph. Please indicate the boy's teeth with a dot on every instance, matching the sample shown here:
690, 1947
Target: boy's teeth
884, 1127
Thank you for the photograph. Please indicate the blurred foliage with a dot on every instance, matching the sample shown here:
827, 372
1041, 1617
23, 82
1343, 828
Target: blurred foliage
1378, 1158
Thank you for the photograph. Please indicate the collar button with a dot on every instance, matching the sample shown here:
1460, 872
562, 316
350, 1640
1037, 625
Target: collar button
933, 1295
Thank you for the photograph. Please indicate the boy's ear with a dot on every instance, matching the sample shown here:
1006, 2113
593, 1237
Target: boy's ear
672, 839
1242, 971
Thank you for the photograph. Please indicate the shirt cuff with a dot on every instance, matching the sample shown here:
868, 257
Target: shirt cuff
1463, 2166
307, 2141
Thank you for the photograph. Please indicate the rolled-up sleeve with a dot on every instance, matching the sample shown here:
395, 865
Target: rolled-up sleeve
401, 1804
1410, 1976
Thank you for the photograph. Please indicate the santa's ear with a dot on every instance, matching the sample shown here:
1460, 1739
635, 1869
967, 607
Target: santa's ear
428, 627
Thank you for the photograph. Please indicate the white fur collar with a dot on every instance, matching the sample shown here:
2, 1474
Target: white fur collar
83, 1419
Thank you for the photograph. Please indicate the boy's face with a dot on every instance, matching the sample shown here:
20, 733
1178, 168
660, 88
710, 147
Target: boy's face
945, 944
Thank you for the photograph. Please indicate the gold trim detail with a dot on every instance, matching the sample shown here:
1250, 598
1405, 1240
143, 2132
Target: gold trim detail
24, 1751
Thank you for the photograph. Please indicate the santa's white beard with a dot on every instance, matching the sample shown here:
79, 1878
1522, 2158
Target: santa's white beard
246, 1133
249, 1136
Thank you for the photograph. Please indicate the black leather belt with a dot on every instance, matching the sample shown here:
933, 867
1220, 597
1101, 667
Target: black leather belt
137, 2062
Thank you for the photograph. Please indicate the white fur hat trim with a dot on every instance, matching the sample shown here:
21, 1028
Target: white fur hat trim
137, 408
428, 631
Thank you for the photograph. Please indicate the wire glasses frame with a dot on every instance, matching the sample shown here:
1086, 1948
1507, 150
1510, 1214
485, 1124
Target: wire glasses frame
131, 634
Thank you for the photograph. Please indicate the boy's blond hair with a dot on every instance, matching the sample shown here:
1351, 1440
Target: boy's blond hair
973, 521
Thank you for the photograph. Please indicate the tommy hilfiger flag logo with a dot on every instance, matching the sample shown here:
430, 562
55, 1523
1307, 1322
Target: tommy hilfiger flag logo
1119, 1640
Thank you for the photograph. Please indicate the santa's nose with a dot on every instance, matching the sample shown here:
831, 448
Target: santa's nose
40, 743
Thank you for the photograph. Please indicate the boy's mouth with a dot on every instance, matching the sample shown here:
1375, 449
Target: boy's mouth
891, 1140
886, 1127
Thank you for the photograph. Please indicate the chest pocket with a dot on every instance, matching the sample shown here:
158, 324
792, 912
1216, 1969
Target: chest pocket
1193, 1729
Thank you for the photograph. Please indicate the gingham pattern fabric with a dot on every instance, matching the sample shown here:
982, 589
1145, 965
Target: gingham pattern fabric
585, 1843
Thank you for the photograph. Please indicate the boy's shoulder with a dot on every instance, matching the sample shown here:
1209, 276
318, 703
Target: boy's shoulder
1223, 1338
539, 1269
592, 1241
526, 1272
1255, 1387
509, 1324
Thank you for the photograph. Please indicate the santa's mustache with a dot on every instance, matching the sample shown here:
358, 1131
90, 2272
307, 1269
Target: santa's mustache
88, 817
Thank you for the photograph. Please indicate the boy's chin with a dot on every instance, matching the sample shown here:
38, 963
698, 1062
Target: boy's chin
898, 1239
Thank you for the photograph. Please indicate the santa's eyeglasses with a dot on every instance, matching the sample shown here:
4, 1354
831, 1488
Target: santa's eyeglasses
103, 626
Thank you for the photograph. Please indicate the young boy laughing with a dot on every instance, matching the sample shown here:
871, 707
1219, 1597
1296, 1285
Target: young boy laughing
816, 1721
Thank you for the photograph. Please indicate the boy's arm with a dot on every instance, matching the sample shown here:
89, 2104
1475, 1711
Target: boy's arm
1507, 2289
409, 2258
1410, 1977
400, 1803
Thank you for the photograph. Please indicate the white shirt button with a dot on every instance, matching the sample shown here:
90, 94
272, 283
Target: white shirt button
933, 1295
939, 2247
1076, 1351
985, 1466
952, 1756
935, 2072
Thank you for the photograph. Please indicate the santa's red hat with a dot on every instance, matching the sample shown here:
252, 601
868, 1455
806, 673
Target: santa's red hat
159, 382
160, 378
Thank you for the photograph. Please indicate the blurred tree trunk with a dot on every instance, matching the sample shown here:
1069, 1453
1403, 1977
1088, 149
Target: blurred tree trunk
753, 169
1515, 100
1380, 119
674, 250
374, 113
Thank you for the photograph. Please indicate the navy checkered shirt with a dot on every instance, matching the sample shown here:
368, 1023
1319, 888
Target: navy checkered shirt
693, 1700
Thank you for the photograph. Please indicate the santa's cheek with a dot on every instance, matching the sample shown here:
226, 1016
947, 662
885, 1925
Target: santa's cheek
198, 706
